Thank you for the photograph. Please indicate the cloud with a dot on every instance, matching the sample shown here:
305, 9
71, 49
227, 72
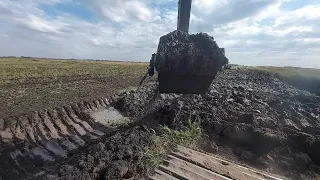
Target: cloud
3, 36
304, 15
123, 10
214, 13
31, 32
269, 36
253, 32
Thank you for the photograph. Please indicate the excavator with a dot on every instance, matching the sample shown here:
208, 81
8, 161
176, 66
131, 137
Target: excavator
186, 64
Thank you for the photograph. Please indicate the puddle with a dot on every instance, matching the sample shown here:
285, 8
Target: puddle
109, 117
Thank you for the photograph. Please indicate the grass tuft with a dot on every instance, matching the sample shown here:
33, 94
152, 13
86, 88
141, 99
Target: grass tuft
169, 139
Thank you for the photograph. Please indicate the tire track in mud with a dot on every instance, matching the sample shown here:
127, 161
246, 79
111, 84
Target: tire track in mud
37, 143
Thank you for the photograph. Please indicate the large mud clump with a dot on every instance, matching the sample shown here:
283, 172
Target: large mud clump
183, 60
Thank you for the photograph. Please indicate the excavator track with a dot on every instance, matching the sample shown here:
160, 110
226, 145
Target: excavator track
36, 143
185, 163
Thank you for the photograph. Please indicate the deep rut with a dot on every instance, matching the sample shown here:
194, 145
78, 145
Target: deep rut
35, 144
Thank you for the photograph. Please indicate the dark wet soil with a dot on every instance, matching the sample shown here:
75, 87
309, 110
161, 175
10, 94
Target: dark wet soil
117, 157
250, 118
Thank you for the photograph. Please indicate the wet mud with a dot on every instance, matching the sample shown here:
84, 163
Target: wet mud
249, 118
38, 143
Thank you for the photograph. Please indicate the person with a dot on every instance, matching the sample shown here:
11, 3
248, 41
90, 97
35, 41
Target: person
152, 64
150, 69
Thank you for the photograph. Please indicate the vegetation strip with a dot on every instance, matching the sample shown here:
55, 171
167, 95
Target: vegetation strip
167, 141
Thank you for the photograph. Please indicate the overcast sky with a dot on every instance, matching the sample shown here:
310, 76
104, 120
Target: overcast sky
253, 32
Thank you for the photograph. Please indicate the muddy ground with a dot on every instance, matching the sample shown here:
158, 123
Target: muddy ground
250, 117
117, 157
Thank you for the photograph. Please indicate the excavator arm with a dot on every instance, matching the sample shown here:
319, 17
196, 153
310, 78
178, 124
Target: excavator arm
184, 9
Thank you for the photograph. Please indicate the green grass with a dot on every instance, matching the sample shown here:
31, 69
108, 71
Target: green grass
167, 141
24, 68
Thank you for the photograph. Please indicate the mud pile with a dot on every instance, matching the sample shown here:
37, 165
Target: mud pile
253, 119
116, 157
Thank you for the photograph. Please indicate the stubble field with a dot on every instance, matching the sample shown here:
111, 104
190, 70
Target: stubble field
29, 84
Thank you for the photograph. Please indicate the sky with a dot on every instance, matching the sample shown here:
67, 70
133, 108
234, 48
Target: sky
253, 32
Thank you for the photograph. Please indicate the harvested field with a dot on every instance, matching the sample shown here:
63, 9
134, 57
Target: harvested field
36, 84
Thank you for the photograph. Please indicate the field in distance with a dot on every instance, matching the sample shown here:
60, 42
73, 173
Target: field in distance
302, 78
29, 84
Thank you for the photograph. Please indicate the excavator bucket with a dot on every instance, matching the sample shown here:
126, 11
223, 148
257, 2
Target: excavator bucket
184, 84
187, 64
